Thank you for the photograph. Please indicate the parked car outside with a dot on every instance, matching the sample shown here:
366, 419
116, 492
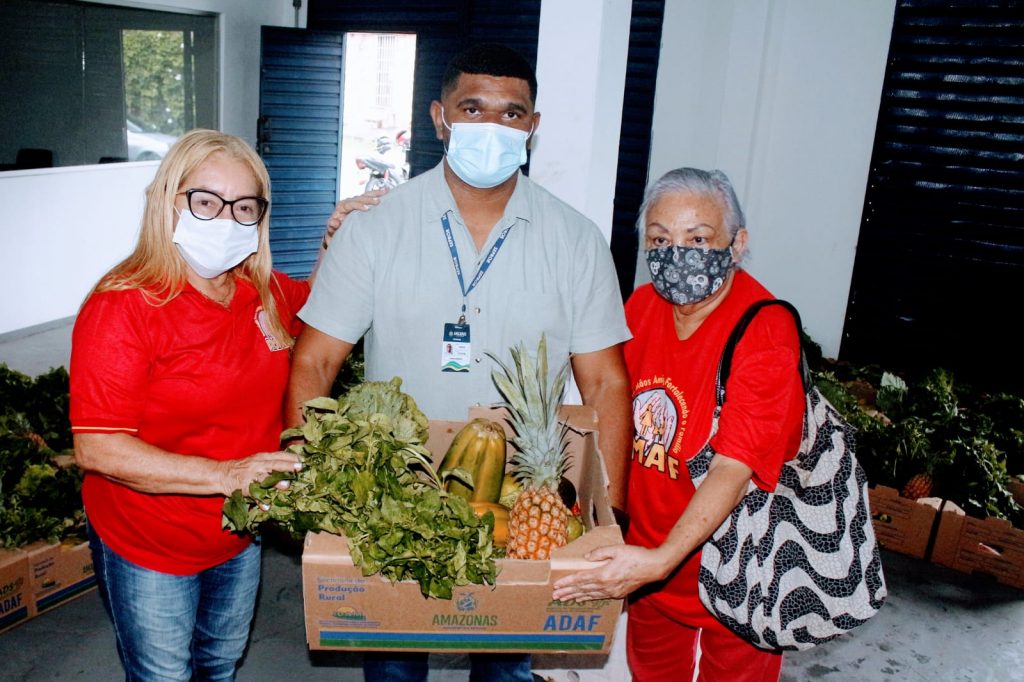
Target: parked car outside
146, 143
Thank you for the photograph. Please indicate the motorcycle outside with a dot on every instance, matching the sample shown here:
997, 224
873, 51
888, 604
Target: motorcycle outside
387, 172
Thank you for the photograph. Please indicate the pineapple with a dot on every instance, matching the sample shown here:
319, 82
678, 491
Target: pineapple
920, 485
538, 519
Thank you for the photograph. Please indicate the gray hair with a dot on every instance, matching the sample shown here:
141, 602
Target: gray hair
713, 183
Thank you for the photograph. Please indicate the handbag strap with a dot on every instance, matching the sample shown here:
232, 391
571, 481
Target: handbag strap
725, 364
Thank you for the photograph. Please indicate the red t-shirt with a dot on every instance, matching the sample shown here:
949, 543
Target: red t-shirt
673, 384
193, 378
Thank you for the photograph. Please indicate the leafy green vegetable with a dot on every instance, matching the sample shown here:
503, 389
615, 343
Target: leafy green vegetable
970, 443
38, 499
42, 402
367, 474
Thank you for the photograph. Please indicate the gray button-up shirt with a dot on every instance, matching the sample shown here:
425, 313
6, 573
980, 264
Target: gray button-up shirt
389, 275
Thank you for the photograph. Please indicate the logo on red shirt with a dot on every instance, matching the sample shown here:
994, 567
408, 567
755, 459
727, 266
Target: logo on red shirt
261, 323
658, 426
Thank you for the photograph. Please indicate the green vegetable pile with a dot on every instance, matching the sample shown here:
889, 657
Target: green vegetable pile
367, 474
970, 442
39, 498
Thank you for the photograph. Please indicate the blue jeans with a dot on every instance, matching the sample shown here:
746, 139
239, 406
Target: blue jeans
178, 627
386, 666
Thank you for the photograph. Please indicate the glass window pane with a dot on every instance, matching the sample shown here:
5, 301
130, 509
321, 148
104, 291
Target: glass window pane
154, 91
101, 83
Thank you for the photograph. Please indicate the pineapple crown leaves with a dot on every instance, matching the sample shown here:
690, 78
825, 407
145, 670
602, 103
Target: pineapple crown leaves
533, 405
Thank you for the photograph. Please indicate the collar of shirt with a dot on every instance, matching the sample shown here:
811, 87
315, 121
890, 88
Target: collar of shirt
244, 292
439, 200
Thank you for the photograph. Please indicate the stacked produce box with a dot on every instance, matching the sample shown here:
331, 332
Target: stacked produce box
444, 536
945, 462
346, 609
44, 559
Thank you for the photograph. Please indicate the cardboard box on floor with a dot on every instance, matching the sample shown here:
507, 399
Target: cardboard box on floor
40, 577
345, 610
990, 546
902, 525
15, 593
59, 572
939, 531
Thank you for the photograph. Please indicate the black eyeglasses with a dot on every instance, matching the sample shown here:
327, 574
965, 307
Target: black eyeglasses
207, 205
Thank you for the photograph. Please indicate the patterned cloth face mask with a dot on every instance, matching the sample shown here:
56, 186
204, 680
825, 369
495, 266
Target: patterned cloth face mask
687, 274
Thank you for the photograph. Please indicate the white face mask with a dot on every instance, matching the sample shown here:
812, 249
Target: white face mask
212, 247
485, 155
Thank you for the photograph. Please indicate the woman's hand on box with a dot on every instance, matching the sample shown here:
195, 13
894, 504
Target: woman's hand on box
626, 569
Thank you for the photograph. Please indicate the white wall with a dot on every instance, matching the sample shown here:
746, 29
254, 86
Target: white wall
783, 96
581, 71
61, 228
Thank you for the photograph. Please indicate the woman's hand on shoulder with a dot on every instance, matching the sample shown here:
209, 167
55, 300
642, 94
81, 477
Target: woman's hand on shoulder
238, 474
363, 202
626, 569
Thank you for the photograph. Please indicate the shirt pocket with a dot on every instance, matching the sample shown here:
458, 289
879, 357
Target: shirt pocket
528, 314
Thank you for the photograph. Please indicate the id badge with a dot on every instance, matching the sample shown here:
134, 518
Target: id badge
455, 350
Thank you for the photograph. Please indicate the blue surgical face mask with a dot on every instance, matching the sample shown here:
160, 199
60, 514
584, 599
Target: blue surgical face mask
686, 274
485, 155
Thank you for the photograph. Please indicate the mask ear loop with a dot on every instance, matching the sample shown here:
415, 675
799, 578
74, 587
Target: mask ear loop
449, 128
732, 250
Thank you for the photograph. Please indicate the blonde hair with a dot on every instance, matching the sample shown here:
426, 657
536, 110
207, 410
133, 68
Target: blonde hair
155, 266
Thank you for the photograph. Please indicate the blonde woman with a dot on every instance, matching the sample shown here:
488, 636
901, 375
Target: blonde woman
180, 358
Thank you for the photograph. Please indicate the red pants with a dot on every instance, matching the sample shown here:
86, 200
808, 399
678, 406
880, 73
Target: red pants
659, 648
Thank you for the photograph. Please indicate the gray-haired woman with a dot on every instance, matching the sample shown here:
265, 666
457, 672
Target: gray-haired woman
695, 236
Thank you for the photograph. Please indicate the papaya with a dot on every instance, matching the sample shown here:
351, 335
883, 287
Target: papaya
500, 519
479, 450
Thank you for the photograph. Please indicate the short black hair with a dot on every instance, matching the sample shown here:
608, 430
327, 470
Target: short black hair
489, 59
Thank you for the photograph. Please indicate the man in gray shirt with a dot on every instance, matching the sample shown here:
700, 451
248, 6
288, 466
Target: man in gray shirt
471, 256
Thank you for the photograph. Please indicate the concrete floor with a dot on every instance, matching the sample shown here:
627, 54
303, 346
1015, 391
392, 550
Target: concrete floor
936, 625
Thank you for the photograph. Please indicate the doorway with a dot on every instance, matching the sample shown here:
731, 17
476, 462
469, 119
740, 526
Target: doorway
376, 130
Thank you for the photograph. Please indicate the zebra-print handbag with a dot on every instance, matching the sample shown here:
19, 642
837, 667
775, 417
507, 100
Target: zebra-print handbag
798, 566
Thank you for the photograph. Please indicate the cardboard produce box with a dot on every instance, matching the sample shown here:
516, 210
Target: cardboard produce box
59, 572
990, 546
902, 525
15, 596
345, 610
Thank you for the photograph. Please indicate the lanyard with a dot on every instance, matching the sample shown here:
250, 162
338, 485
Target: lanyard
446, 226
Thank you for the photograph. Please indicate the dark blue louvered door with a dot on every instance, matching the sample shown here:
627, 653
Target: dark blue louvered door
299, 133
940, 261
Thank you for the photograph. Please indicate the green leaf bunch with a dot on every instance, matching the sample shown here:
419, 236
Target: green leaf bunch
367, 474
41, 403
972, 443
38, 499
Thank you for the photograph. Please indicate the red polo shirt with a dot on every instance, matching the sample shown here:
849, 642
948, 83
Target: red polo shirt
191, 377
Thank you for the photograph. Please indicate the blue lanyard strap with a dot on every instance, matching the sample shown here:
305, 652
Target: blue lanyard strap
446, 226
